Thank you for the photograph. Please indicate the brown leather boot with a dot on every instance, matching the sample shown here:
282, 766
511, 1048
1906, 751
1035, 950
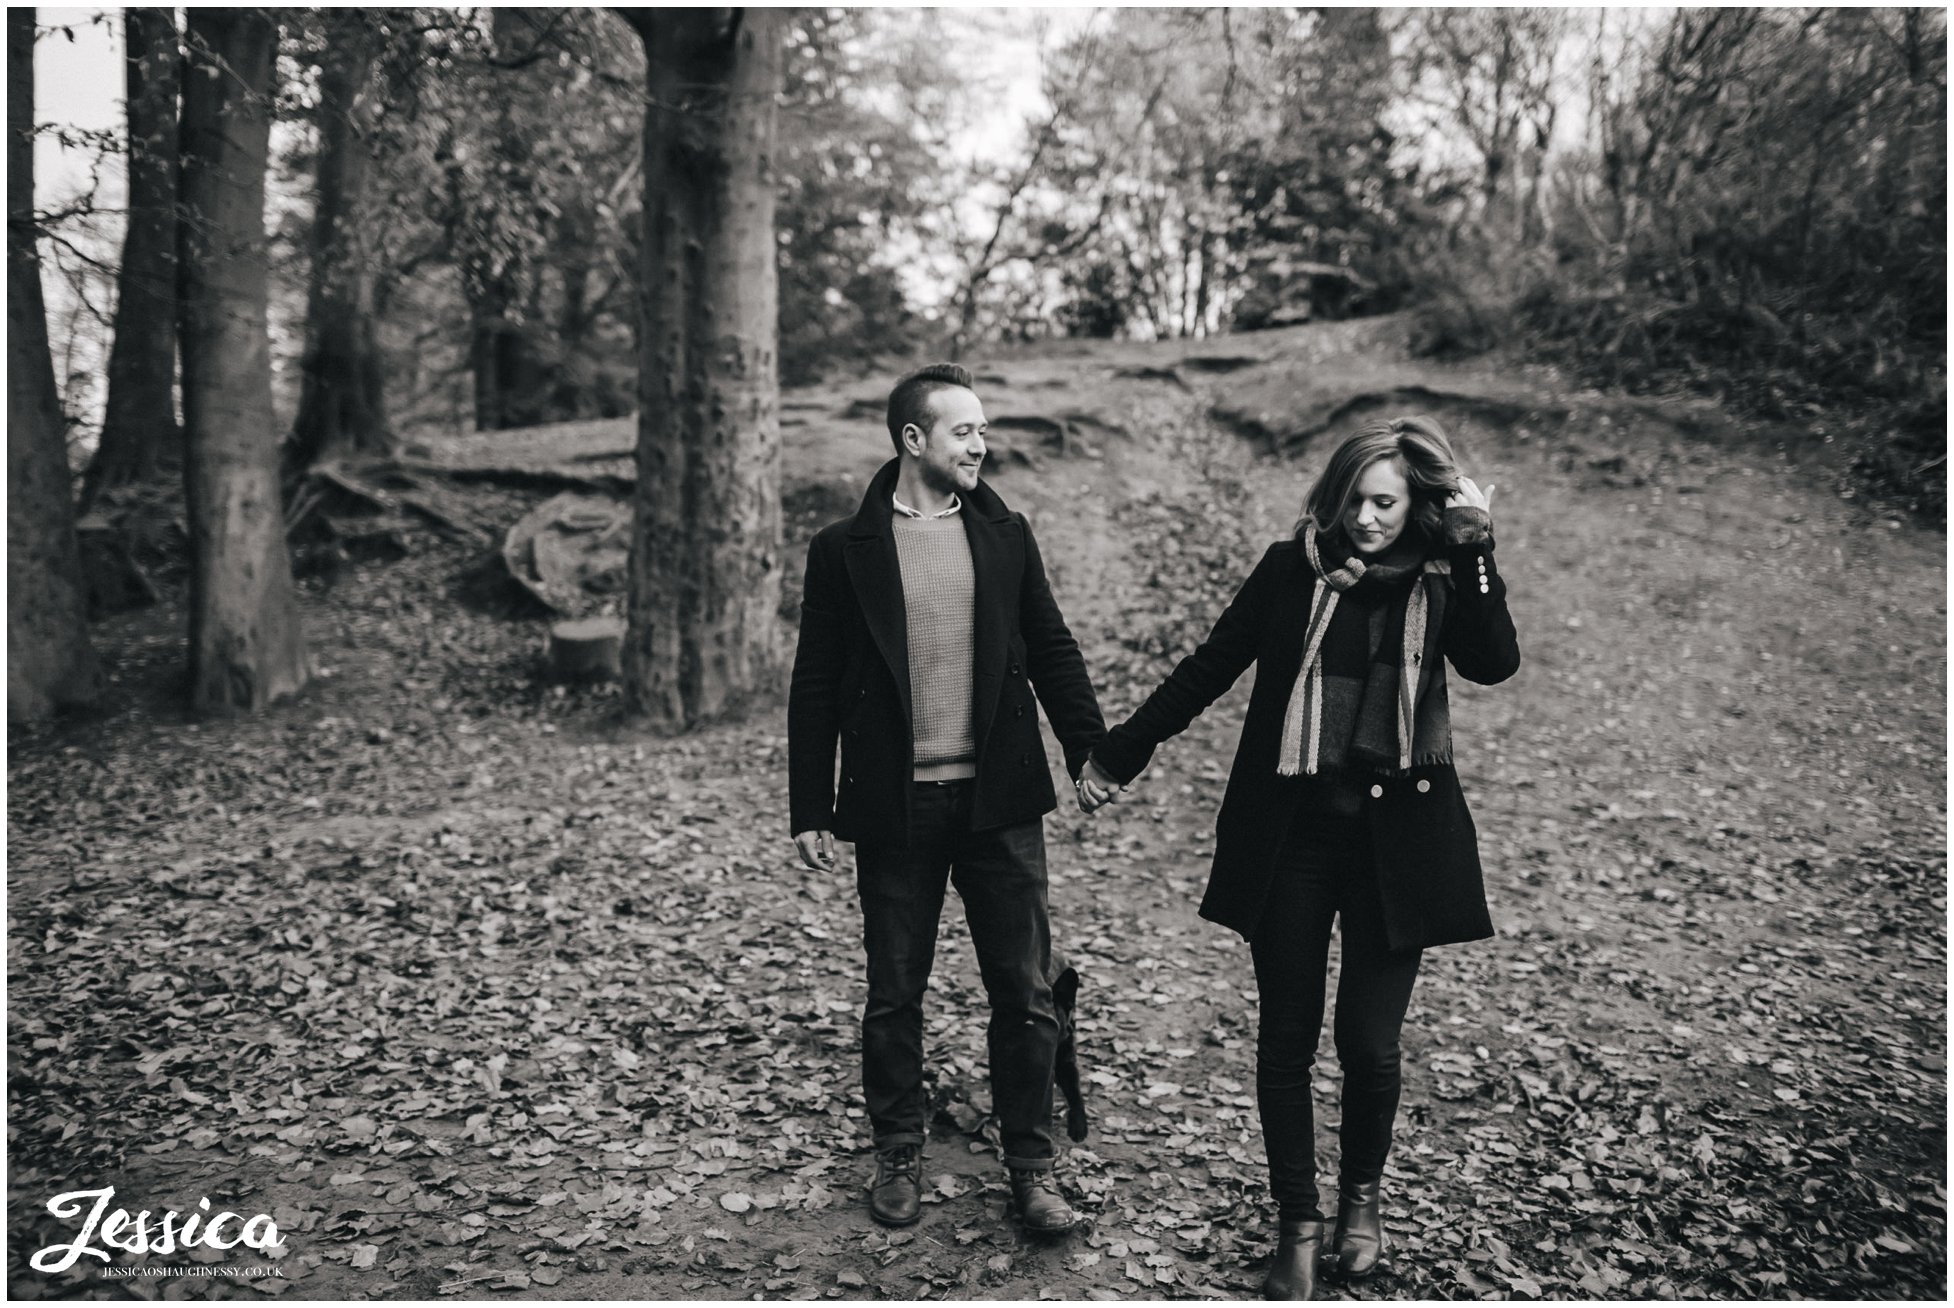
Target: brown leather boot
1360, 1231
896, 1197
1292, 1272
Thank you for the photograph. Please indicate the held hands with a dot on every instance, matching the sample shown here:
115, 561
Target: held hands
1469, 496
817, 849
1096, 789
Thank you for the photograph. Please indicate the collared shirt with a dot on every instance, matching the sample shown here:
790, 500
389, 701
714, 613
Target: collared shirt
906, 511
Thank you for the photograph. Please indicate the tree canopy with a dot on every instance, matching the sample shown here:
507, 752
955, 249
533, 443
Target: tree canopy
1744, 203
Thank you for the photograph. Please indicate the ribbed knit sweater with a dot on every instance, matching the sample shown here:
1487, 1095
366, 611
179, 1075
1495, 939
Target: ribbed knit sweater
939, 592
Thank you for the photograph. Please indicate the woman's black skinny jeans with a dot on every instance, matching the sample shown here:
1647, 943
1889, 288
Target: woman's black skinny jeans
1324, 871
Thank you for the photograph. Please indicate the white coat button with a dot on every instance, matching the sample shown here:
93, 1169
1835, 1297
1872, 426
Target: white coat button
1424, 787
1484, 589
1377, 792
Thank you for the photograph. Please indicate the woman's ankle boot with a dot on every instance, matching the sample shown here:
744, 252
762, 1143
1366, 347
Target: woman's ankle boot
1360, 1231
1292, 1273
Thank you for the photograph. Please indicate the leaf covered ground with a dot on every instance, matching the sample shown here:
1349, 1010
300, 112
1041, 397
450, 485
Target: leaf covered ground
483, 993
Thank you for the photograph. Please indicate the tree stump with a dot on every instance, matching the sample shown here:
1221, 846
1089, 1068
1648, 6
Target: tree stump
587, 650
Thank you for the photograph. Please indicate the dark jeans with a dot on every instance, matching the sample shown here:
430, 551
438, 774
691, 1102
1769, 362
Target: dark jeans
1000, 875
1325, 871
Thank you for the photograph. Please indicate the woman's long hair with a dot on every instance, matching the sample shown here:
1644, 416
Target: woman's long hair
1422, 452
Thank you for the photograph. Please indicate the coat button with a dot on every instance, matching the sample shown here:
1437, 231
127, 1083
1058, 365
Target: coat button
1484, 589
1424, 786
1014, 669
1025, 762
1377, 792
1020, 711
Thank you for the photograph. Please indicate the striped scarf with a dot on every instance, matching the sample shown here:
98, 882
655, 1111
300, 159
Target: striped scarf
1397, 715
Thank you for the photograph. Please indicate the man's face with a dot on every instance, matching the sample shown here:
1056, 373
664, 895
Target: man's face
951, 454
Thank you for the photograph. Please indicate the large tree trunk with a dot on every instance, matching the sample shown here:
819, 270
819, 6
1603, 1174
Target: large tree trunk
50, 663
140, 435
245, 646
342, 406
705, 556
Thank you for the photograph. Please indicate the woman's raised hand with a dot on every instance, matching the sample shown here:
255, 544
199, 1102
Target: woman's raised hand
1469, 496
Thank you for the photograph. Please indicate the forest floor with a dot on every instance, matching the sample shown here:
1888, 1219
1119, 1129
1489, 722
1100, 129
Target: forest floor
482, 993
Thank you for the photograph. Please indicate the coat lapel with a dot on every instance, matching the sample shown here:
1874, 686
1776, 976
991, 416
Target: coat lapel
870, 555
986, 523
1431, 658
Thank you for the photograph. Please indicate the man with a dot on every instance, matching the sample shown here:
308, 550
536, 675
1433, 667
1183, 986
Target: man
926, 627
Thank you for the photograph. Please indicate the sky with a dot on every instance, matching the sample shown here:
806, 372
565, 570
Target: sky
77, 84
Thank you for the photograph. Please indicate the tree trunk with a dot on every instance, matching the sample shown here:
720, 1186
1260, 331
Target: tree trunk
245, 645
485, 327
513, 379
1202, 283
704, 608
514, 382
140, 436
572, 394
50, 663
342, 405
528, 365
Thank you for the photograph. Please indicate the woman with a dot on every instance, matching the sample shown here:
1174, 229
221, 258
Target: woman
1343, 800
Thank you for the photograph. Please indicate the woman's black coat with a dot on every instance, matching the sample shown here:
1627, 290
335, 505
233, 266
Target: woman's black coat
1426, 850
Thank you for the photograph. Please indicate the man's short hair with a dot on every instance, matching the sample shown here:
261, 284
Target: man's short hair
910, 403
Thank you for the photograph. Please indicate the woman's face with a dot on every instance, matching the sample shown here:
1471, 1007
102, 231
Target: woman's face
1380, 506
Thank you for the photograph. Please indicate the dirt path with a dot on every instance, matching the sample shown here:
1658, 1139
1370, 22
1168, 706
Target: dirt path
478, 993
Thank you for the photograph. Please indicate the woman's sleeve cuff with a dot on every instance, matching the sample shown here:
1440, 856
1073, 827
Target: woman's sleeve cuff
1121, 759
1465, 525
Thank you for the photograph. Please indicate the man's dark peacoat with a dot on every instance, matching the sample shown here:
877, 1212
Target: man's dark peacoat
1423, 840
851, 676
